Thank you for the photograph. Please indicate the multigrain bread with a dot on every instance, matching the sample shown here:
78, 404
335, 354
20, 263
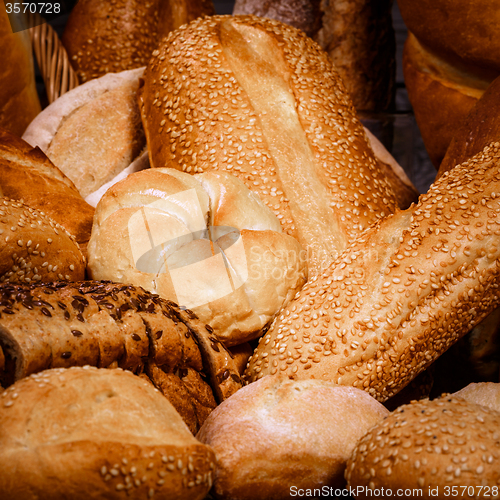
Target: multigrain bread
205, 242
120, 35
277, 433
441, 95
27, 174
107, 325
19, 102
34, 248
258, 99
401, 294
93, 133
84, 433
431, 446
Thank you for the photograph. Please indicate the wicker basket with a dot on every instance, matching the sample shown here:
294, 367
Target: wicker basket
52, 58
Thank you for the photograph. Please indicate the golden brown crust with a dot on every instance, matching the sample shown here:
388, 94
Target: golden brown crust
19, 102
105, 325
428, 445
35, 248
27, 174
405, 291
441, 96
479, 128
174, 13
277, 433
83, 432
359, 38
463, 32
259, 99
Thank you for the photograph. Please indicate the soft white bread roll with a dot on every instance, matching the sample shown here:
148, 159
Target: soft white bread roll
205, 242
431, 447
19, 102
258, 99
84, 433
93, 132
278, 433
401, 294
35, 248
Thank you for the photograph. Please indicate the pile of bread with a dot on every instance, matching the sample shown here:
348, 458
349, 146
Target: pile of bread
215, 281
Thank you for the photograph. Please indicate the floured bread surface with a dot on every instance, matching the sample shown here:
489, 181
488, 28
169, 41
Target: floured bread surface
259, 99
100, 139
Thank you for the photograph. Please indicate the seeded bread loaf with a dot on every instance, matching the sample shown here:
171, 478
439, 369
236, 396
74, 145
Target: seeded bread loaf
84, 433
114, 36
35, 248
27, 174
108, 325
401, 294
257, 98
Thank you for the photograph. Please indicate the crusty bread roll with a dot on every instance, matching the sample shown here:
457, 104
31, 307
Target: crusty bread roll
106, 325
401, 294
27, 174
441, 95
84, 433
430, 446
479, 128
19, 102
257, 98
116, 36
204, 241
278, 434
34, 248
94, 132
359, 38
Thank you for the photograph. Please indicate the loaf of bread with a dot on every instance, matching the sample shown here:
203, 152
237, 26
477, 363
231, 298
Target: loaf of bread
205, 242
441, 95
259, 99
484, 394
34, 248
432, 447
120, 35
93, 133
106, 325
278, 434
27, 174
19, 102
401, 294
84, 433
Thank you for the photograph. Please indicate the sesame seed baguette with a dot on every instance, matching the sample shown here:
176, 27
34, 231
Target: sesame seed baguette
85, 433
34, 248
399, 296
108, 325
257, 98
430, 445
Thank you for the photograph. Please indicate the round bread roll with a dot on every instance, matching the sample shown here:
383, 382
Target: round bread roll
34, 248
481, 393
259, 99
93, 133
205, 242
429, 446
84, 433
441, 95
19, 102
277, 433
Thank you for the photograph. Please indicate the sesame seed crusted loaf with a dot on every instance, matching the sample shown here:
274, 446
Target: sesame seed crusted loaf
27, 174
404, 292
35, 248
430, 445
257, 98
117, 35
106, 325
85, 433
